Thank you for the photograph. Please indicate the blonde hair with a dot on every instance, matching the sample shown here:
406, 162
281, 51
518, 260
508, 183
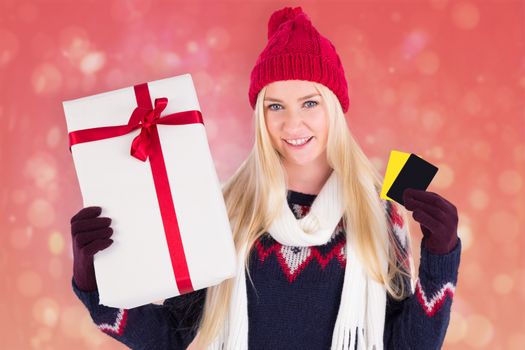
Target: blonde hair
254, 193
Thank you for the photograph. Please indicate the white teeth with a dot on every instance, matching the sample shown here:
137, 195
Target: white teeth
298, 142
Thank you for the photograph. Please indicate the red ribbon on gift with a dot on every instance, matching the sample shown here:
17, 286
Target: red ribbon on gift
147, 144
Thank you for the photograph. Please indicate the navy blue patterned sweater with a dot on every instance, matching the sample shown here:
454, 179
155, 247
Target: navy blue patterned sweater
296, 298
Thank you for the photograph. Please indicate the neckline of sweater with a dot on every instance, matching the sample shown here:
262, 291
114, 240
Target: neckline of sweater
301, 198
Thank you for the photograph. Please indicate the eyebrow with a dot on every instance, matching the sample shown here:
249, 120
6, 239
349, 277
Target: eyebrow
300, 99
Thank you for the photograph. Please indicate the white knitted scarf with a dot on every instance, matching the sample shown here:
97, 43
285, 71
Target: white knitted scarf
361, 313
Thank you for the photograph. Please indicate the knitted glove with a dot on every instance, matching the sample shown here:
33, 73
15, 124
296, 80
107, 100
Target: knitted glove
438, 219
89, 234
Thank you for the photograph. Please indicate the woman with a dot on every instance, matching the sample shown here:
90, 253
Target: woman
329, 262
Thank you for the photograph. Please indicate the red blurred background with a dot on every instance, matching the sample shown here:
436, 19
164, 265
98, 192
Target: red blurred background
443, 79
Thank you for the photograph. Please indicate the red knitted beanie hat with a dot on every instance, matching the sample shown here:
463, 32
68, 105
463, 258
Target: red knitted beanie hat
296, 51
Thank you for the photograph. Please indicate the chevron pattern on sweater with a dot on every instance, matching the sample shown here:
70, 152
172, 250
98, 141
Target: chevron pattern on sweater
118, 326
294, 259
432, 305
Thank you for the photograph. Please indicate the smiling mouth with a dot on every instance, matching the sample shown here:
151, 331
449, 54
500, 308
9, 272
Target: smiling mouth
298, 145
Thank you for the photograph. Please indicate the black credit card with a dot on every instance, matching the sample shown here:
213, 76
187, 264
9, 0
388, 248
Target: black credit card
417, 173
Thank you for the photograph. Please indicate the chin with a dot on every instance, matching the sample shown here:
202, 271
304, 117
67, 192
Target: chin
302, 160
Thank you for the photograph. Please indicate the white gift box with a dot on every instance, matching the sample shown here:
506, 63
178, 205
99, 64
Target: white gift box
141, 265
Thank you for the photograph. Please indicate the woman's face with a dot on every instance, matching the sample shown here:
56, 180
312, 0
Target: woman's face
294, 110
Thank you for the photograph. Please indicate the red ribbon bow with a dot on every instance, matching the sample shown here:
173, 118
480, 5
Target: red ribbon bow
141, 146
143, 116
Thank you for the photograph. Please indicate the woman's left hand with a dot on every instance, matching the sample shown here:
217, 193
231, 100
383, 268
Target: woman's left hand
438, 219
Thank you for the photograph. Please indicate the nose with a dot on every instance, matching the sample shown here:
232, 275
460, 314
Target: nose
293, 120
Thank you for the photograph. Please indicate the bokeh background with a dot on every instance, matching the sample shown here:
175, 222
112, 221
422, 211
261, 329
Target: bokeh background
443, 79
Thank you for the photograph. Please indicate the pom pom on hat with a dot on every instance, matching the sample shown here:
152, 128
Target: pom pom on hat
281, 16
297, 51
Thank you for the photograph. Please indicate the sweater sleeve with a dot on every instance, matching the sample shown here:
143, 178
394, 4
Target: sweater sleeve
171, 325
420, 321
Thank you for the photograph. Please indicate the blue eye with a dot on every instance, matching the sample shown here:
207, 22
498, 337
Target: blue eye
315, 103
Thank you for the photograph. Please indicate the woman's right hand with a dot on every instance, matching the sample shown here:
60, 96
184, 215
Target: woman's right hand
89, 234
